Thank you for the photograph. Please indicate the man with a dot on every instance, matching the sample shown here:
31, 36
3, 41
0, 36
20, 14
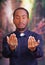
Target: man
22, 46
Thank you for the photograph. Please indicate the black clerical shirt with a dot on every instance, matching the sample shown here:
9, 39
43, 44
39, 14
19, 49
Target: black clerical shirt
22, 55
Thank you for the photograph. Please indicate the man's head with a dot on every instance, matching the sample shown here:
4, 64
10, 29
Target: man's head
21, 18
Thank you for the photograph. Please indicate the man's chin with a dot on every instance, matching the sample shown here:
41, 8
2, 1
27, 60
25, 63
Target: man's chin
21, 29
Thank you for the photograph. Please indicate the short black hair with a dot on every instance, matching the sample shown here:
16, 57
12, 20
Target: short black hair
20, 9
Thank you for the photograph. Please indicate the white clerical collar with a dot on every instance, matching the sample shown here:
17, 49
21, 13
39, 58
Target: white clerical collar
22, 34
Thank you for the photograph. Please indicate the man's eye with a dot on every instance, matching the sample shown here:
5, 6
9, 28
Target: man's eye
17, 17
23, 17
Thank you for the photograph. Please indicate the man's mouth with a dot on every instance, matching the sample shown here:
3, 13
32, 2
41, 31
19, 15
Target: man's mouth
21, 25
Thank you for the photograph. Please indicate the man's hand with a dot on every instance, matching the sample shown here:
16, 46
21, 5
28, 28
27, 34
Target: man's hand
12, 41
32, 43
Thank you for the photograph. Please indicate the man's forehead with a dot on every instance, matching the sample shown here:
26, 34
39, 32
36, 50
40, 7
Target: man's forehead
21, 10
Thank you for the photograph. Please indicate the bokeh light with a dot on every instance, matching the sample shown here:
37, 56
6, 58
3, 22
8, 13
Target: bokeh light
28, 4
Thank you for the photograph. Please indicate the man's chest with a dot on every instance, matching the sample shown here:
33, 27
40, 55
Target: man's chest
22, 45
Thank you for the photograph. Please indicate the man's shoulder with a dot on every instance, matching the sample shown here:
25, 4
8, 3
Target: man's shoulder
31, 33
8, 34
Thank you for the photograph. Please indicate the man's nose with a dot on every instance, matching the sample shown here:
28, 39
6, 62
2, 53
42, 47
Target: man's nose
21, 20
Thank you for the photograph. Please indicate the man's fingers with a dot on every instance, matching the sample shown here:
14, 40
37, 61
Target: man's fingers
32, 39
38, 41
29, 43
7, 39
12, 36
12, 40
32, 42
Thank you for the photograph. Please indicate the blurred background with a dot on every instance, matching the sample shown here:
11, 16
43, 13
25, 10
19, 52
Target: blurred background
36, 9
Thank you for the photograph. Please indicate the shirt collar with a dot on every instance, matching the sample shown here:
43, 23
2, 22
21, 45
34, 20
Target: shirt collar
25, 33
22, 34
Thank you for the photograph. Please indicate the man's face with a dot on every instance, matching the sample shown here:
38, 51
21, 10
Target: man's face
21, 19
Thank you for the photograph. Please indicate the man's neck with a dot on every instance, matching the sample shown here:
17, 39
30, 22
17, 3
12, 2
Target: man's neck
21, 31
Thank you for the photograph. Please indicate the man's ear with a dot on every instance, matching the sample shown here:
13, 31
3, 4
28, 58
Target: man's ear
13, 20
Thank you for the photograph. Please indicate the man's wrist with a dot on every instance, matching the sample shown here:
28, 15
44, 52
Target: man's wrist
32, 49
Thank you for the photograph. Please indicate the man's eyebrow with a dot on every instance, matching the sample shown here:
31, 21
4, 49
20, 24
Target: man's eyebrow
17, 15
22, 15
